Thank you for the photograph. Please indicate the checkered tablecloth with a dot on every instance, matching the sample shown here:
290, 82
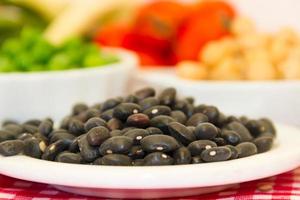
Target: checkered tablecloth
285, 186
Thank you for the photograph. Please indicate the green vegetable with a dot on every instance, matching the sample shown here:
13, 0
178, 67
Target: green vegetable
31, 52
14, 16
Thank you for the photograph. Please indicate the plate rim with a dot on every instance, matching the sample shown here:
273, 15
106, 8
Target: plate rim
150, 177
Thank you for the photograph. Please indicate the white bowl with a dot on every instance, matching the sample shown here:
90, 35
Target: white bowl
278, 100
159, 181
43, 94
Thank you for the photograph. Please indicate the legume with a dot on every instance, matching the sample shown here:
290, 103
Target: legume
140, 130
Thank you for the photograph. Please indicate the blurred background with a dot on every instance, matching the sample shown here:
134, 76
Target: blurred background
240, 55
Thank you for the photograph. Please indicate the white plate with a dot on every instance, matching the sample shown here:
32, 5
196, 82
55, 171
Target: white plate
164, 181
278, 100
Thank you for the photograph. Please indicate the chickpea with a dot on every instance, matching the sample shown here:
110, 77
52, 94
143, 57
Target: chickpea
227, 69
282, 44
191, 70
290, 68
213, 53
254, 40
259, 66
242, 25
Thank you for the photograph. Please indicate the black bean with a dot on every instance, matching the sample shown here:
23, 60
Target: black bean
161, 122
221, 120
74, 147
162, 143
46, 127
97, 106
43, 141
90, 113
88, 152
131, 99
148, 103
182, 156
231, 137
27, 128
136, 152
138, 120
11, 147
197, 160
267, 134
78, 108
145, 93
157, 110
107, 115
16, 129
198, 146
263, 143
124, 130
158, 158
86, 115
240, 129
76, 127
7, 135
115, 133
116, 160
246, 149
98, 161
54, 149
192, 129
216, 154
136, 135
33, 122
268, 126
190, 100
114, 124
138, 162
254, 126
110, 103
32, 148
25, 136
210, 111
206, 131
244, 120
179, 116
154, 131
124, 110
219, 141
96, 136
94, 122
181, 105
55, 131
232, 119
196, 119
167, 97
68, 157
61, 135
234, 152
7, 122
189, 110
181, 133
117, 144
65, 122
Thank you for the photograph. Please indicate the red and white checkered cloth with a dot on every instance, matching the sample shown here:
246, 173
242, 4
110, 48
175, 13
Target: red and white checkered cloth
285, 186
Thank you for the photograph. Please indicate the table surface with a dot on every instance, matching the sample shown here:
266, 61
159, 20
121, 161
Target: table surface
283, 186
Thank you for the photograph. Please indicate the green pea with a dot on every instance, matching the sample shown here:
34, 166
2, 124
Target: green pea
59, 62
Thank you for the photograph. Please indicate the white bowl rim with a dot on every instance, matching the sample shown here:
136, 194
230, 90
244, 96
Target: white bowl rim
284, 157
128, 59
154, 74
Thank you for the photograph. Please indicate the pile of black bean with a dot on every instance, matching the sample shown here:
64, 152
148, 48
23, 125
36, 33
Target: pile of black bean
140, 130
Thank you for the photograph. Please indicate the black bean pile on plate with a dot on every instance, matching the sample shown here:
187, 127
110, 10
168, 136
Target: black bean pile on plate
140, 130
